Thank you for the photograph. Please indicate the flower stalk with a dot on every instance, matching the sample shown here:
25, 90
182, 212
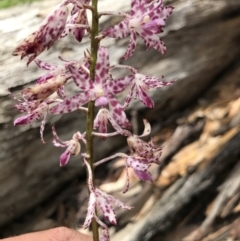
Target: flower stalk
91, 104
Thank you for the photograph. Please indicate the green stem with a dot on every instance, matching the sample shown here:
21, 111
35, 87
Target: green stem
91, 108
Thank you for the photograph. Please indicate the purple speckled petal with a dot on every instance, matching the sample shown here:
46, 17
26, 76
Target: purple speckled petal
104, 235
44, 78
152, 40
24, 119
44, 65
33, 116
81, 78
28, 106
118, 85
102, 66
155, 83
118, 114
138, 7
129, 96
140, 167
161, 13
105, 207
45, 37
131, 46
114, 200
143, 96
71, 104
118, 31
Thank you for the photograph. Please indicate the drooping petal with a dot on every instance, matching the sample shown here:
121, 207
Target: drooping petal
64, 158
131, 46
140, 167
116, 126
147, 128
101, 120
117, 113
90, 211
56, 140
129, 96
143, 96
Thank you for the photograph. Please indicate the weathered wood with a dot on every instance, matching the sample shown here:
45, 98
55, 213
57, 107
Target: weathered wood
164, 213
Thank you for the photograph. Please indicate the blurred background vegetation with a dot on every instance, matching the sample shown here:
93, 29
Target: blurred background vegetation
10, 3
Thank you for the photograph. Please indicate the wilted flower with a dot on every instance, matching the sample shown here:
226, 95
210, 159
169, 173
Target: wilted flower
48, 33
72, 146
147, 18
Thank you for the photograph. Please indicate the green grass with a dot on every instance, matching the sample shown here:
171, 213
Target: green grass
10, 3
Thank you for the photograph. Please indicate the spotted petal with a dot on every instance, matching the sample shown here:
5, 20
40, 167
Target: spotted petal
152, 40
102, 66
118, 31
143, 96
118, 114
118, 85
131, 46
81, 78
71, 104
91, 210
